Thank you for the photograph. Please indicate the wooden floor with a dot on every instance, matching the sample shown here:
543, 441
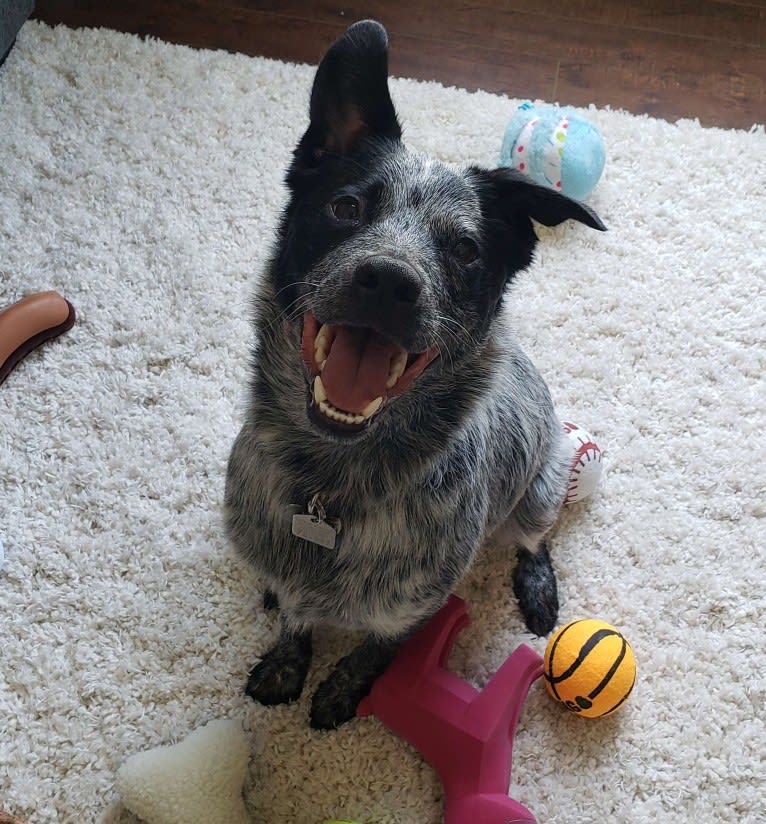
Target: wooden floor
668, 58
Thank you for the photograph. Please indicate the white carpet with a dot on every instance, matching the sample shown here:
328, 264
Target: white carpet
143, 181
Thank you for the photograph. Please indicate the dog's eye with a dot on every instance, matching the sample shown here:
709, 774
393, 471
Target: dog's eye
465, 250
347, 208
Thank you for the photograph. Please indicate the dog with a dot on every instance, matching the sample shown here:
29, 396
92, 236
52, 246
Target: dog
393, 423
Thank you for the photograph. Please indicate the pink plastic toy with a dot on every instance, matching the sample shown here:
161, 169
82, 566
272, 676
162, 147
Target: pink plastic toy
466, 735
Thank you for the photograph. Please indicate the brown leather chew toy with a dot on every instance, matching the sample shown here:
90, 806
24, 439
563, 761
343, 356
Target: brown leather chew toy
5, 818
30, 322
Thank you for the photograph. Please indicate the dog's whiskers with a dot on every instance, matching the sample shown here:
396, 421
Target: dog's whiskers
444, 319
290, 306
292, 285
444, 348
454, 342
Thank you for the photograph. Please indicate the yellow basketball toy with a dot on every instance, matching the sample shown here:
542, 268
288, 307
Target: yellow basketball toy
589, 667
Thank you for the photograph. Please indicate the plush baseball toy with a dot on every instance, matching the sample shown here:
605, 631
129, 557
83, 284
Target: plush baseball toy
555, 147
585, 466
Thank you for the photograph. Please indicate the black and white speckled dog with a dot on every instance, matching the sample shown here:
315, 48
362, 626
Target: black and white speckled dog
387, 390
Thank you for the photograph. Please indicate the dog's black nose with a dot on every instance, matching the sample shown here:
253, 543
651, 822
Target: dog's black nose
387, 282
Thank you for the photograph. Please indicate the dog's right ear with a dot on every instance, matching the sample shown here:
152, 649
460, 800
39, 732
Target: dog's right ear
350, 97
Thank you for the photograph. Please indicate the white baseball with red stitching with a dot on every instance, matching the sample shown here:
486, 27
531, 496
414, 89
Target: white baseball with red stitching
585, 469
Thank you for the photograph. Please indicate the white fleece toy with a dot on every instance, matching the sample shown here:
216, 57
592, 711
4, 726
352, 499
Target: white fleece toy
197, 781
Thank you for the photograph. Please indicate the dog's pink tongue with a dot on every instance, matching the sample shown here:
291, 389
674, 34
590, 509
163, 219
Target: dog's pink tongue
357, 368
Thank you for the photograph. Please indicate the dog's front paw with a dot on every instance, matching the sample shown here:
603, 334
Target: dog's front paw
337, 698
534, 583
279, 677
335, 701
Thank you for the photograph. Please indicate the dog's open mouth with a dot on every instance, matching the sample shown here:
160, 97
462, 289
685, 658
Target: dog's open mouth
354, 371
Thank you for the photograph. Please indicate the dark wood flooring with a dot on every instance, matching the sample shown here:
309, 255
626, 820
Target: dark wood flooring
667, 58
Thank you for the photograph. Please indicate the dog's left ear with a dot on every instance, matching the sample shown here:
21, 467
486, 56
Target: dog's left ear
350, 96
518, 195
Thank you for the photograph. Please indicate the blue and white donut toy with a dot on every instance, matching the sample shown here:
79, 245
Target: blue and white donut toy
555, 147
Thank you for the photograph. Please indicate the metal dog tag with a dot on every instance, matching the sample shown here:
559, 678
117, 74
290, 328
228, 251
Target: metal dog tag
310, 528
315, 526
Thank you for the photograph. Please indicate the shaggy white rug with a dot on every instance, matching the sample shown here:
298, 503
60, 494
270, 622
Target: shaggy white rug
143, 181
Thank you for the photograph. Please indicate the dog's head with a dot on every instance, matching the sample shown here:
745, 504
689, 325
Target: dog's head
392, 264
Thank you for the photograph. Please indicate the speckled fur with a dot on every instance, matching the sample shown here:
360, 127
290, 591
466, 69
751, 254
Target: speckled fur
472, 449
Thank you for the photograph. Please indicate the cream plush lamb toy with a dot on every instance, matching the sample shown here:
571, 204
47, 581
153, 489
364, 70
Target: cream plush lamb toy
197, 781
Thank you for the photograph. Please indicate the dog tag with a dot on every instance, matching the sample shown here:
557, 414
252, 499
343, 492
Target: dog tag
311, 528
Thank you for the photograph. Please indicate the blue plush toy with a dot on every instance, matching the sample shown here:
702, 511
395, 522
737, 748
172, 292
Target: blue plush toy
555, 147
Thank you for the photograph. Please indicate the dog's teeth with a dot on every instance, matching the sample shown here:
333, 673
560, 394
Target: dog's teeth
336, 415
322, 344
398, 365
372, 408
326, 409
324, 337
319, 391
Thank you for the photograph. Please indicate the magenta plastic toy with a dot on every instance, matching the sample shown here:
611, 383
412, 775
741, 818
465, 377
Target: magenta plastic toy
465, 734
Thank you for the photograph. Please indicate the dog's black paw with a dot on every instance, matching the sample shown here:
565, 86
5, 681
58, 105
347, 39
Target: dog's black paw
336, 699
534, 583
279, 677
